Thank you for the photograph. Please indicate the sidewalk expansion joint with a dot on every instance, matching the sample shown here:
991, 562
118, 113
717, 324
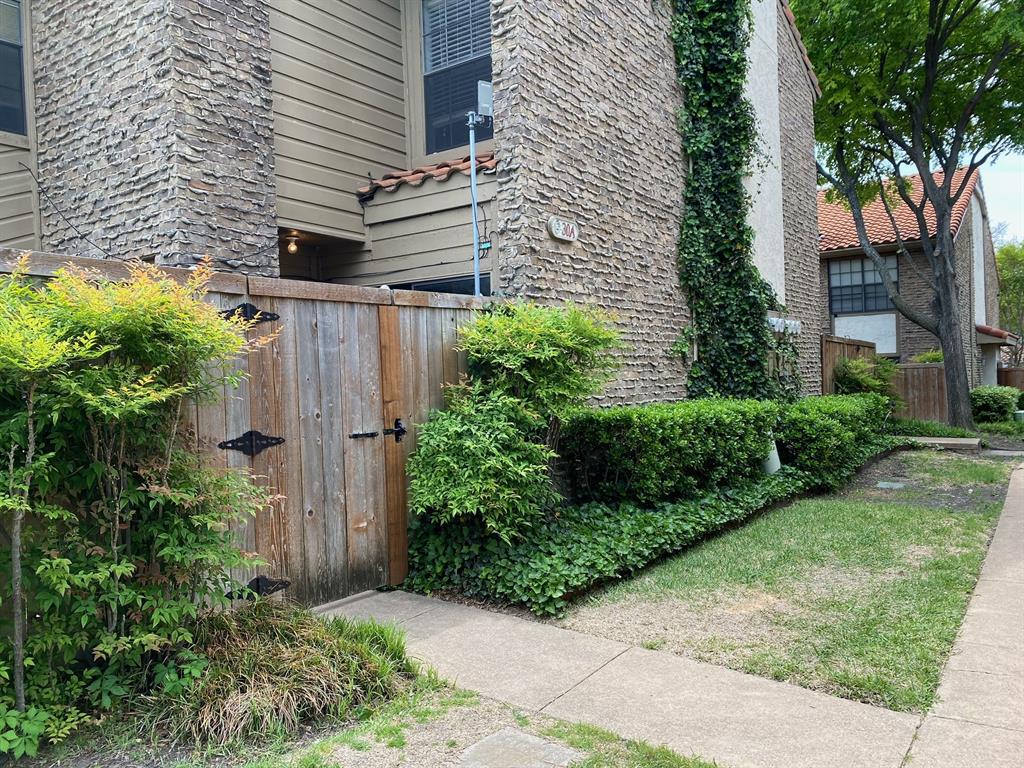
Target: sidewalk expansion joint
580, 682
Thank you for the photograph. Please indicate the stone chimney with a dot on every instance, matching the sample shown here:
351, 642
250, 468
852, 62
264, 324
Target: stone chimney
155, 134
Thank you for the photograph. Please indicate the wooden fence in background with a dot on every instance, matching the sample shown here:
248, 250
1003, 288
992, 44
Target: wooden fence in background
348, 364
922, 388
836, 348
1011, 377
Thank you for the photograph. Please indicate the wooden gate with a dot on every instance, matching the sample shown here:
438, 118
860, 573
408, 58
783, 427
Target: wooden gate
1011, 377
922, 388
348, 364
350, 369
836, 348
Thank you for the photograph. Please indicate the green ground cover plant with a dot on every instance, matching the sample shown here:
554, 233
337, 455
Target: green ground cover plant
859, 594
994, 404
1004, 428
923, 428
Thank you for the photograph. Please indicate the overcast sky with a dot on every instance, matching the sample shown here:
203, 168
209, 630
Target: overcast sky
1003, 182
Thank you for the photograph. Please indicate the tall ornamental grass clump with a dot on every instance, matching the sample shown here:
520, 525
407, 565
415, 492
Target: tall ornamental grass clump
116, 537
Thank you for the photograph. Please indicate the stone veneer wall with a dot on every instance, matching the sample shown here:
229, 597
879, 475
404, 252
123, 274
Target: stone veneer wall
587, 98
800, 204
155, 129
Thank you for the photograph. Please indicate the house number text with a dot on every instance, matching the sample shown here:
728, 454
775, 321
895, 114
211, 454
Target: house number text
563, 229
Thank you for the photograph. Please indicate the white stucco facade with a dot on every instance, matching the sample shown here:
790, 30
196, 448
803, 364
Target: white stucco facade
765, 182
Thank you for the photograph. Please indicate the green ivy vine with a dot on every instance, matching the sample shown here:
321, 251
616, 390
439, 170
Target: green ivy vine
728, 298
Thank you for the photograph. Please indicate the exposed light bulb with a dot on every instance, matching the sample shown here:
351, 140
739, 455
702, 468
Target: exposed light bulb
293, 245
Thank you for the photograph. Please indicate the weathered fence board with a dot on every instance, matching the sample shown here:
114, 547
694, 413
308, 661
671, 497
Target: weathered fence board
836, 348
345, 360
922, 388
1011, 377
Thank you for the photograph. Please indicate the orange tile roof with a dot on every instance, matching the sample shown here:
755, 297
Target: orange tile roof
486, 162
999, 333
838, 232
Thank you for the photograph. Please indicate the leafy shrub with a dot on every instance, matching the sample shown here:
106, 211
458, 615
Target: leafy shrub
993, 404
931, 356
549, 358
581, 547
488, 457
1004, 428
920, 428
1020, 401
120, 536
830, 437
653, 453
476, 461
854, 376
269, 668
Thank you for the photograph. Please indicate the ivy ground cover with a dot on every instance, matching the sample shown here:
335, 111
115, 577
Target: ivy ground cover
857, 594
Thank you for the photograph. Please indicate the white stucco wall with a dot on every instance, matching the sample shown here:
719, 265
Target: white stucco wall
978, 260
879, 328
765, 183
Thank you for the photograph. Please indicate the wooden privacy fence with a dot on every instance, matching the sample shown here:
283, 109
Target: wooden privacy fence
836, 348
1011, 377
351, 368
922, 388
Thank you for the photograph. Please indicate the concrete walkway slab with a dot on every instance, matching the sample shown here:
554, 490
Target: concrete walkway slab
512, 748
736, 719
945, 743
949, 443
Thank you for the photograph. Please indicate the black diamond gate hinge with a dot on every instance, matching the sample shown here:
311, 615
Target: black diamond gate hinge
250, 313
251, 443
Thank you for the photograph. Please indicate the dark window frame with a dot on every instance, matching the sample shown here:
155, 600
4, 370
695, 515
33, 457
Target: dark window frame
13, 97
463, 285
855, 286
450, 88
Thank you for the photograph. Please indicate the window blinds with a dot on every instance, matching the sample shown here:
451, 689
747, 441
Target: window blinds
455, 31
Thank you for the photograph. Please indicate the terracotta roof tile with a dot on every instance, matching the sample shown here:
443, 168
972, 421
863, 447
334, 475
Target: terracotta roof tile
838, 231
485, 163
788, 13
999, 333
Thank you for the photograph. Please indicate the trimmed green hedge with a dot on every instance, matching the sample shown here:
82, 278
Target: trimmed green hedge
994, 404
831, 437
666, 452
709, 449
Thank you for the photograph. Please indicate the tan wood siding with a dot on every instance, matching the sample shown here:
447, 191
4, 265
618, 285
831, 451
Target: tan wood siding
339, 107
419, 233
19, 205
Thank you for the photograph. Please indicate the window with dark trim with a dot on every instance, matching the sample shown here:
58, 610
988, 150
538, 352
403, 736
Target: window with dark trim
456, 56
855, 285
12, 78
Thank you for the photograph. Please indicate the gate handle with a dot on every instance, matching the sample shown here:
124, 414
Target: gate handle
399, 431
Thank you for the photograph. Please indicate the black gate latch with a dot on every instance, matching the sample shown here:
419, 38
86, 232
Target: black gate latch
251, 443
399, 431
249, 313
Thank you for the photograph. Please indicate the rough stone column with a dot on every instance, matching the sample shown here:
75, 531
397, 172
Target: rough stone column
585, 128
155, 130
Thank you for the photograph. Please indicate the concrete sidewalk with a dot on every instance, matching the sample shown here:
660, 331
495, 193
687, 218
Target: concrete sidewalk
979, 719
696, 709
739, 720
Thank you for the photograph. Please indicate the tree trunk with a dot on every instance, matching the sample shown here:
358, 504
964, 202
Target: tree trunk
954, 355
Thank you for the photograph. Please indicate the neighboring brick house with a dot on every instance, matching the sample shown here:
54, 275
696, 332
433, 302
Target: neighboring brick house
855, 303
261, 133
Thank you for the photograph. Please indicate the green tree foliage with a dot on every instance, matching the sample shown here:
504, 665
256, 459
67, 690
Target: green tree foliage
1010, 262
728, 297
118, 535
916, 86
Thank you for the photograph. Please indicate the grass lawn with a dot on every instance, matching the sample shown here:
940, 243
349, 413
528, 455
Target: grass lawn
858, 594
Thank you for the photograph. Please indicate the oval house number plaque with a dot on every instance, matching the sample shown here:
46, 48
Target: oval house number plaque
563, 229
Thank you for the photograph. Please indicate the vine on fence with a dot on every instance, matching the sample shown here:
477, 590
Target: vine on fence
728, 297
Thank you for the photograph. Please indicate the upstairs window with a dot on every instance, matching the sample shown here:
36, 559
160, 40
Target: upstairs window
456, 56
855, 285
12, 80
